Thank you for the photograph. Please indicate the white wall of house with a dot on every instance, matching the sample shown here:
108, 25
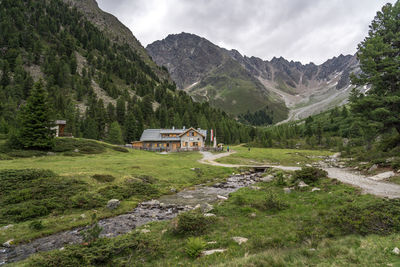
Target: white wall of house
192, 141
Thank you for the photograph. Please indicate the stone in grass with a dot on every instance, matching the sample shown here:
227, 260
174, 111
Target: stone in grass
396, 251
239, 239
209, 215
212, 251
113, 204
315, 189
207, 207
287, 190
222, 197
253, 215
302, 184
373, 168
6, 227
8, 244
145, 231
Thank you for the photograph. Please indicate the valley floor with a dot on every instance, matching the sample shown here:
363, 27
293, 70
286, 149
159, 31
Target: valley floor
279, 237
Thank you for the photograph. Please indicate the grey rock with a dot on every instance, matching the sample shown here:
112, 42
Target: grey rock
373, 168
315, 189
76, 150
302, 184
239, 239
221, 197
6, 227
212, 251
145, 231
113, 204
396, 251
207, 207
209, 215
8, 244
287, 190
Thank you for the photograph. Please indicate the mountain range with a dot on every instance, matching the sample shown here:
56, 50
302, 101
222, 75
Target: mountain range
240, 84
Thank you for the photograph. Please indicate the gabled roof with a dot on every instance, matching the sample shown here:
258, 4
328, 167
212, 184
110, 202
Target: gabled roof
197, 131
155, 134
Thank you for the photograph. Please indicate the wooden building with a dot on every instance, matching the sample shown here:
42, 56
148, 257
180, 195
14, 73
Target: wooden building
171, 139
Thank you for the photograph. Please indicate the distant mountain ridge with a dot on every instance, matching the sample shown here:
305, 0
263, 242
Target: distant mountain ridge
199, 67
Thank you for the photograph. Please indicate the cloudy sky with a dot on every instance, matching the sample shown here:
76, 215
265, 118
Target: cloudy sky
300, 30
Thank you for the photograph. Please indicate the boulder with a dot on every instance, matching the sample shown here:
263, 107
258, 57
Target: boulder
76, 150
221, 197
239, 239
113, 204
315, 189
6, 227
8, 244
254, 187
302, 184
396, 251
144, 231
212, 251
207, 207
253, 215
287, 190
373, 168
209, 215
267, 178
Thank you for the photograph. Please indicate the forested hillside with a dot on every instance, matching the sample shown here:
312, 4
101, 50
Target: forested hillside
91, 81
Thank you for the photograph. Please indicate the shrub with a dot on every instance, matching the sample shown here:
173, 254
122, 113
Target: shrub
124, 250
378, 217
84, 146
120, 149
26, 153
271, 202
194, 246
103, 178
87, 200
191, 223
309, 175
239, 200
148, 179
129, 189
36, 225
32, 193
92, 233
280, 179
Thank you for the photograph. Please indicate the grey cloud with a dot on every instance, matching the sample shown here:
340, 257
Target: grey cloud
301, 30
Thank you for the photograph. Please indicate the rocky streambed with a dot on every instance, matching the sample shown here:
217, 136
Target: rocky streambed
164, 208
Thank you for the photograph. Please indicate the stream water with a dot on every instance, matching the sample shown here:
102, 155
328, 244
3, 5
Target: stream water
164, 208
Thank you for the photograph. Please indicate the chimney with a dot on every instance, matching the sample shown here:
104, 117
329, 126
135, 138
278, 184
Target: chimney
173, 127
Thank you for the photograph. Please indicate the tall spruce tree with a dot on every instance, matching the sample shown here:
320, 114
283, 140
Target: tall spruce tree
379, 56
35, 131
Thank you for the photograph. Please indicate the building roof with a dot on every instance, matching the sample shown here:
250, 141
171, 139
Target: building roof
155, 134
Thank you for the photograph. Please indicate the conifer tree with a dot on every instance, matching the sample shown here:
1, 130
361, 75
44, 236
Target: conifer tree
115, 134
36, 122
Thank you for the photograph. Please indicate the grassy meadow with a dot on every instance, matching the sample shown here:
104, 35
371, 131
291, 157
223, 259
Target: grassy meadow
151, 174
333, 226
275, 156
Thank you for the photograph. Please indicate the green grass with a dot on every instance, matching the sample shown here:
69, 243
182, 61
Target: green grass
162, 172
303, 234
288, 157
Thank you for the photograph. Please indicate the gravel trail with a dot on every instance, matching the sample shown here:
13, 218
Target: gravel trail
366, 183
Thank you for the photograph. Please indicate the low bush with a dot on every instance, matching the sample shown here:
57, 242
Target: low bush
103, 178
309, 175
194, 246
26, 153
87, 200
191, 223
81, 145
36, 225
129, 189
377, 217
33, 193
127, 250
148, 179
280, 179
271, 202
120, 149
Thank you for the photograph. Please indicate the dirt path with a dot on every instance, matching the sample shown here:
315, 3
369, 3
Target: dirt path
366, 183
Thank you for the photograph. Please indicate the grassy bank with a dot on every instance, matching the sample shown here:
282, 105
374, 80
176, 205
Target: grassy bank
333, 226
89, 181
276, 156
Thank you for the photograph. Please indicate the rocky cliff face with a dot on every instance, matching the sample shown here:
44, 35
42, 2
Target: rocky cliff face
115, 30
206, 72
